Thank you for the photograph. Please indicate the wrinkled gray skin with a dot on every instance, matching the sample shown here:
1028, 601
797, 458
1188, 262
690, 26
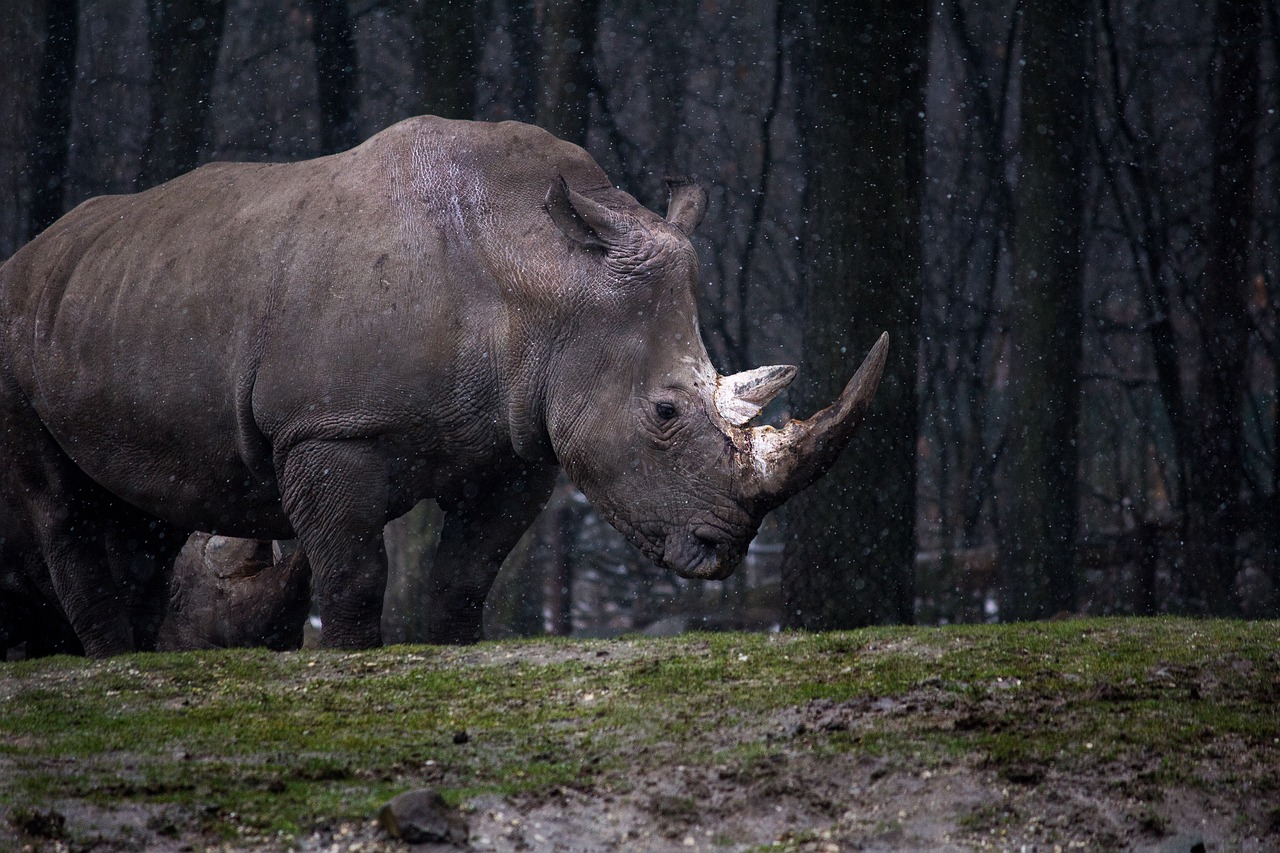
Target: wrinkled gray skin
229, 593
449, 310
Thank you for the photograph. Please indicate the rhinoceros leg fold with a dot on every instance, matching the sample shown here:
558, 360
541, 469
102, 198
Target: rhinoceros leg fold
335, 495
480, 529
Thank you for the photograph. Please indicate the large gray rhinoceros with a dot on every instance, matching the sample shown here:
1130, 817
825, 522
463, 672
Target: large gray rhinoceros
451, 309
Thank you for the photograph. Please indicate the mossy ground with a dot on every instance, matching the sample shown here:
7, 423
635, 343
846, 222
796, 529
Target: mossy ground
1100, 731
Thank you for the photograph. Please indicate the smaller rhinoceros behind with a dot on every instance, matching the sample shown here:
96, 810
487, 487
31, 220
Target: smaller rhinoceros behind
229, 593
450, 310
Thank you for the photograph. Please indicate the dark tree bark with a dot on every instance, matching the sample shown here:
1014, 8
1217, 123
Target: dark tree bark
851, 536
1217, 461
411, 545
668, 79
558, 528
564, 73
52, 123
524, 60
184, 38
22, 44
336, 74
1038, 527
738, 345
445, 56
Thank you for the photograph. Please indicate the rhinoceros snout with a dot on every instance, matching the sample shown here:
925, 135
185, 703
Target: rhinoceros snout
704, 555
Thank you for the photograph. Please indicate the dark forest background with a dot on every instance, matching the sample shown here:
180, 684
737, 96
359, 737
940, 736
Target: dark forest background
1066, 214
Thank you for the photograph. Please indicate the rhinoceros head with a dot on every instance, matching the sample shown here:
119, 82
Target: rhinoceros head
638, 416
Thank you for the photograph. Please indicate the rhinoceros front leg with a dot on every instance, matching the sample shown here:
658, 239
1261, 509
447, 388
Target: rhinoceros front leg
480, 529
335, 494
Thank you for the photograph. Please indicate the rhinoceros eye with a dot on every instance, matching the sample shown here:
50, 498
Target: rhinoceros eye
665, 411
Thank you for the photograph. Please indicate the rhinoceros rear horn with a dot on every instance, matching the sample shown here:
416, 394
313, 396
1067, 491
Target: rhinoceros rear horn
584, 221
686, 204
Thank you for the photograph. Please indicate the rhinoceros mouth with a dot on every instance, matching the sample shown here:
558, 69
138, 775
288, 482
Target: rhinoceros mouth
699, 552
703, 555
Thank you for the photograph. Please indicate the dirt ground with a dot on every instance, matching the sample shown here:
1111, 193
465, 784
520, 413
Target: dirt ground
829, 807
791, 802
848, 803
840, 805
797, 796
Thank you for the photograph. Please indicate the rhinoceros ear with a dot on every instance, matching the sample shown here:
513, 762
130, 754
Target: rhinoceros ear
740, 397
686, 204
582, 220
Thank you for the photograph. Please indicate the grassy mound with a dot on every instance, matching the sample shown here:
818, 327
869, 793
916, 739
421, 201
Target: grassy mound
1098, 733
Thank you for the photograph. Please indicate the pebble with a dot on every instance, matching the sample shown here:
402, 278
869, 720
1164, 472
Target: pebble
423, 816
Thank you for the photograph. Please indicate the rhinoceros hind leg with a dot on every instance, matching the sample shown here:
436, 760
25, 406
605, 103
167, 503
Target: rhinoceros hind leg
70, 531
69, 518
479, 531
335, 494
30, 616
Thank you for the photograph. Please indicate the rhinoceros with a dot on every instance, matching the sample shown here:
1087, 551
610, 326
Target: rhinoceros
227, 592
450, 309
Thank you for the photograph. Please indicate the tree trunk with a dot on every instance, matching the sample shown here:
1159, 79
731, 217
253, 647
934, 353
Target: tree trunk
184, 38
668, 79
411, 545
21, 33
52, 124
1218, 455
1038, 529
445, 56
336, 74
851, 536
524, 60
560, 522
564, 76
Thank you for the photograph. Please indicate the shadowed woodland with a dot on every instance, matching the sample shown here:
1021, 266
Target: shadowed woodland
1064, 214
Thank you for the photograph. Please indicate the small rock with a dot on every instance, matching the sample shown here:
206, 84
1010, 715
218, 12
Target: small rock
461, 736
1183, 844
422, 816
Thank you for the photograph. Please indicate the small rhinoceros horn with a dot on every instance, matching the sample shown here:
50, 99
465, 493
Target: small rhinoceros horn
740, 397
785, 461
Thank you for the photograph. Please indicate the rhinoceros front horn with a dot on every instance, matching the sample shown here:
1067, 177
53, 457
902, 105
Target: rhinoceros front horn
785, 461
